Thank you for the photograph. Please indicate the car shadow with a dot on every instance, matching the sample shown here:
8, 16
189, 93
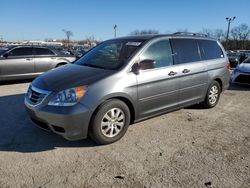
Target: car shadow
196, 107
239, 87
18, 134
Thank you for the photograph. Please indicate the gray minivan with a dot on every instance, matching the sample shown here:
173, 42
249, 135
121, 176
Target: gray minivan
126, 80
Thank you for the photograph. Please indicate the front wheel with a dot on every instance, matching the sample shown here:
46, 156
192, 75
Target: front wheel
213, 95
110, 122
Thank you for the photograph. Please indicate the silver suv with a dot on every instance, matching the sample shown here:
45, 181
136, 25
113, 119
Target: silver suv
126, 80
22, 62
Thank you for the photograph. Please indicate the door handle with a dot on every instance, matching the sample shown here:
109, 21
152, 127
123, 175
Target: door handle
29, 59
53, 58
172, 73
186, 71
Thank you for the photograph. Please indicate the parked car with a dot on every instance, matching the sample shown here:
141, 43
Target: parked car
80, 52
22, 62
126, 80
241, 73
246, 52
236, 58
233, 59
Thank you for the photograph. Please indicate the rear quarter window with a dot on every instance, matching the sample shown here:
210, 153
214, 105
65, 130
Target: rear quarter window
210, 49
185, 50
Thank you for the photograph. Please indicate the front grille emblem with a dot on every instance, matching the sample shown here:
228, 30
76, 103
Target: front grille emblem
36, 95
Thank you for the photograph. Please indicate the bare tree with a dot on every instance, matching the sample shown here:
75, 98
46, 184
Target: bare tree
144, 32
235, 33
244, 32
68, 34
220, 34
241, 33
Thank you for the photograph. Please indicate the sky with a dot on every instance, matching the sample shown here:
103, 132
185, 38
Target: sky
41, 19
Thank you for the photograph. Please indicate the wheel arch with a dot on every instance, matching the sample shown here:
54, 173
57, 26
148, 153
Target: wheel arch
124, 99
61, 63
220, 82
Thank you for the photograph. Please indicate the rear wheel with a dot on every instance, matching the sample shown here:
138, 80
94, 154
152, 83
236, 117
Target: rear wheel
110, 122
213, 95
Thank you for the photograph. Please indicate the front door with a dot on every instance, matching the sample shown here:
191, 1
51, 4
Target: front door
158, 86
18, 63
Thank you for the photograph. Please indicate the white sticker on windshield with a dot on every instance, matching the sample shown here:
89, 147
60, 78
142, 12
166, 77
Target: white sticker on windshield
133, 43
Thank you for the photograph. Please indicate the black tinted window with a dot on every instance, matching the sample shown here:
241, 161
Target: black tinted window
185, 51
247, 60
21, 52
160, 52
42, 51
210, 49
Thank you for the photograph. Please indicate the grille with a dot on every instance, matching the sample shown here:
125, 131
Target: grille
35, 95
243, 79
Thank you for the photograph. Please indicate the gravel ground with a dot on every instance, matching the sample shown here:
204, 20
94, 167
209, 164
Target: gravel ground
191, 147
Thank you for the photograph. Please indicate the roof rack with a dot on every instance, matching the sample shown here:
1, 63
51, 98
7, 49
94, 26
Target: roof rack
192, 34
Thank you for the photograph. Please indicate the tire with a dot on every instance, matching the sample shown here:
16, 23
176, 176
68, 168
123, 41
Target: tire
213, 95
110, 122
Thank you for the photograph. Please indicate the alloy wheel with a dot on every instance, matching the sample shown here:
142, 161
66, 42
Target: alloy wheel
113, 122
213, 94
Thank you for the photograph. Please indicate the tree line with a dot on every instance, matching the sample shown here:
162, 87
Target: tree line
238, 37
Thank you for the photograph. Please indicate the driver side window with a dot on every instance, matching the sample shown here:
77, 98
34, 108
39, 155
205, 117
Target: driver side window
160, 52
21, 52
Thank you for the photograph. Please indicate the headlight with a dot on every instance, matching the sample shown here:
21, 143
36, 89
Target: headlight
68, 97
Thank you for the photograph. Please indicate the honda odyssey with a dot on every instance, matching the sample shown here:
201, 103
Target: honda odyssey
126, 80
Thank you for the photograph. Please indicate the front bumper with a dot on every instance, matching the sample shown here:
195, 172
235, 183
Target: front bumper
70, 122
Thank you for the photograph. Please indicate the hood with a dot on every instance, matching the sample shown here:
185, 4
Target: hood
69, 76
244, 67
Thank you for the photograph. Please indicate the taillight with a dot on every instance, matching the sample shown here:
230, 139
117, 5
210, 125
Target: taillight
229, 66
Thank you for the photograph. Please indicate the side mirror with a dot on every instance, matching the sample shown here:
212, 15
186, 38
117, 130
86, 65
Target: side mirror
6, 55
147, 64
135, 68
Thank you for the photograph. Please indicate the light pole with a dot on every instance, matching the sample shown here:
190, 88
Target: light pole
229, 20
115, 26
1, 39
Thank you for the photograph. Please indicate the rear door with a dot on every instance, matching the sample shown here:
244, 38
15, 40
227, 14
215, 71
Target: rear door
158, 87
19, 62
44, 59
193, 71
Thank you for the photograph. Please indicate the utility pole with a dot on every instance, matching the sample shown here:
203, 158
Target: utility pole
229, 20
115, 26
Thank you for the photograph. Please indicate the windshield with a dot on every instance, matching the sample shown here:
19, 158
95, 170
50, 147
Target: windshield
2, 51
247, 60
110, 54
